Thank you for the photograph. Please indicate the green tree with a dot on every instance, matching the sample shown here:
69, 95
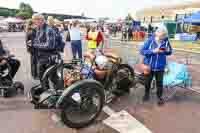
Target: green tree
25, 11
24, 15
22, 6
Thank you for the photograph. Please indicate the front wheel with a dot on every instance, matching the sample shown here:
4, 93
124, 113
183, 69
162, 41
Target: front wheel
82, 104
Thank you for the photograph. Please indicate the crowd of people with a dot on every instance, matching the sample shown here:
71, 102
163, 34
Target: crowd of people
70, 34
12, 27
46, 37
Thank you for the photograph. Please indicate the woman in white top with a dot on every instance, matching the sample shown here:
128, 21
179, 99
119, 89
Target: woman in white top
75, 35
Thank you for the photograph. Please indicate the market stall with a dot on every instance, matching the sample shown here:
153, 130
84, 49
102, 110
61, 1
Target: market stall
14, 24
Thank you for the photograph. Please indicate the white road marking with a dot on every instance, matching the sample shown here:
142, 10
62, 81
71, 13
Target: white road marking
108, 110
123, 122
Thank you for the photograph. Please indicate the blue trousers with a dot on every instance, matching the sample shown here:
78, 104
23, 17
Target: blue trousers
77, 49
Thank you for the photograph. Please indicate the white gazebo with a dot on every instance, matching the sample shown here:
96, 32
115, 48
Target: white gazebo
13, 20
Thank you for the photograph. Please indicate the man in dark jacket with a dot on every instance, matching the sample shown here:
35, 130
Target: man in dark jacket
155, 50
46, 42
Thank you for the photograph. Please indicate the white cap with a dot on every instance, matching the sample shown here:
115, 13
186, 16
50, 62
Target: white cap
163, 29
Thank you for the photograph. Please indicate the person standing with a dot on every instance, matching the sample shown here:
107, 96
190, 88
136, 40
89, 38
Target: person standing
155, 50
30, 29
130, 34
115, 30
75, 36
124, 33
92, 38
67, 49
46, 43
100, 38
150, 30
197, 36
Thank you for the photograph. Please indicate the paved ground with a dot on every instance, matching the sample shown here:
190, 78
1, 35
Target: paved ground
179, 115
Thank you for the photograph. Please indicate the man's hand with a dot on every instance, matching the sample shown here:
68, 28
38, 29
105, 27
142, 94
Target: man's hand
3, 62
156, 50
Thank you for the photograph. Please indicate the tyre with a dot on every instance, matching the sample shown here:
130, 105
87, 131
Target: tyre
123, 79
19, 86
82, 104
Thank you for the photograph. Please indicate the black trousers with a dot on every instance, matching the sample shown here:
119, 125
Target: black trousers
15, 64
34, 72
159, 82
43, 64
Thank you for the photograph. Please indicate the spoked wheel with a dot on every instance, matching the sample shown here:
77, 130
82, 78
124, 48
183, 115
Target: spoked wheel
83, 104
169, 92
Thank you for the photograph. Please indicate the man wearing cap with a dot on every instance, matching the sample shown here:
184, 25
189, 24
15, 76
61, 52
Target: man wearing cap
155, 51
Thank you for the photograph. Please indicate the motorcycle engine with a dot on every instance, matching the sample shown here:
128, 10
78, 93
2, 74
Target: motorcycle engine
123, 80
71, 76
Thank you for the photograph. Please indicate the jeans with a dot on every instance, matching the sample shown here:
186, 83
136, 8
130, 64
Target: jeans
77, 49
159, 83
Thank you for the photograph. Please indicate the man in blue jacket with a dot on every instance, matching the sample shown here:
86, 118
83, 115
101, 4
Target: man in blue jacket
46, 43
155, 51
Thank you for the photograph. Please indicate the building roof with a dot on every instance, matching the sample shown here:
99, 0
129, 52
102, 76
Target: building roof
158, 11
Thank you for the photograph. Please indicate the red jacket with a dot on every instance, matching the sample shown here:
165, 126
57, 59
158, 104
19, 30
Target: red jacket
99, 38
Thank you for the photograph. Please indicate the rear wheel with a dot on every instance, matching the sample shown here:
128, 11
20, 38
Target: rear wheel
83, 104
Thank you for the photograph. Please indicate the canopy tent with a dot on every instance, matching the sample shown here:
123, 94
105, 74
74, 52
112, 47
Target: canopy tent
13, 20
112, 21
81, 20
194, 19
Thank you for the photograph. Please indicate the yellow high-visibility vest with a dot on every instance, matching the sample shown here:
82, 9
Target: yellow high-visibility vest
92, 44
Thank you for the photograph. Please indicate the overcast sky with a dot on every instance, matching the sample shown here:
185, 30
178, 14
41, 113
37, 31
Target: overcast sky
91, 8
